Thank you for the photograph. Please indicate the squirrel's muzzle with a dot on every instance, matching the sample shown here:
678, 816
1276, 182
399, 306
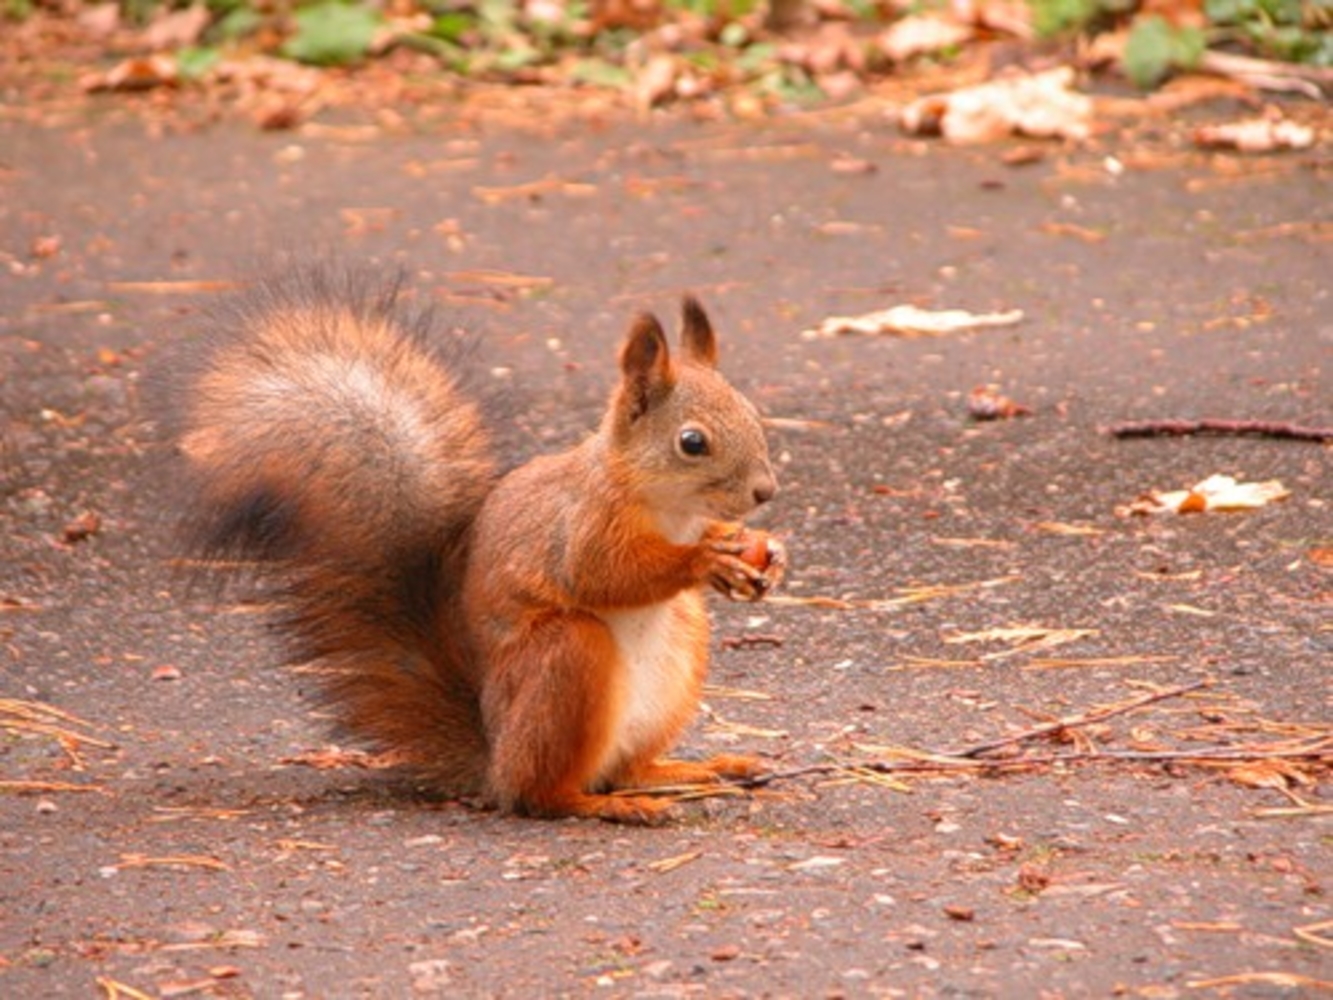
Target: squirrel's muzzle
763, 487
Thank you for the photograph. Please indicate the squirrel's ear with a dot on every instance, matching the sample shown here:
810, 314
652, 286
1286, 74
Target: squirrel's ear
645, 364
696, 333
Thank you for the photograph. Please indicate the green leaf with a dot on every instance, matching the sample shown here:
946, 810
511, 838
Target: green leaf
1155, 48
453, 25
1148, 52
734, 35
600, 73
194, 62
237, 23
1055, 17
331, 34
1229, 11
16, 10
519, 55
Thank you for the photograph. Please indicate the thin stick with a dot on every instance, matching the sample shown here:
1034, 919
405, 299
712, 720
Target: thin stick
1074, 721
1319, 751
1235, 428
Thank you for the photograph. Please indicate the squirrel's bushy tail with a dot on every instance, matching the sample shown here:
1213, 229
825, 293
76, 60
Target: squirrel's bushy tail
324, 435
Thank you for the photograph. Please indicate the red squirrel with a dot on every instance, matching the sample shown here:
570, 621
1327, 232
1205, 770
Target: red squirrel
537, 639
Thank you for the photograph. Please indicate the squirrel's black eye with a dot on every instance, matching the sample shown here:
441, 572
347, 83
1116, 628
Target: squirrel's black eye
693, 442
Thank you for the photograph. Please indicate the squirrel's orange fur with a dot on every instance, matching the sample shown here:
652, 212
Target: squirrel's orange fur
538, 638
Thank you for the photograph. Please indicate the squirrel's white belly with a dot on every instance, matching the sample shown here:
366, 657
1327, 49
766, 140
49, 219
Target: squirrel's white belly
660, 647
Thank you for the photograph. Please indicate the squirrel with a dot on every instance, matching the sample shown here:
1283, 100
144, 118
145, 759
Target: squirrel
536, 639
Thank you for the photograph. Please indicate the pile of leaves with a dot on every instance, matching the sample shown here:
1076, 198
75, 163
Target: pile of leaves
659, 51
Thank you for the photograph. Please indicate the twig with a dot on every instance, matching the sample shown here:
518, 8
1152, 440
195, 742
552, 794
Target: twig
1311, 933
1287, 980
172, 861
1267, 74
115, 990
751, 640
1073, 721
27, 787
1235, 428
938, 763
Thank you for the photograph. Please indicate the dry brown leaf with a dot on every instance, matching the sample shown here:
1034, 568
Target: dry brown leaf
830, 47
1011, 16
922, 33
1266, 134
135, 73
1041, 105
1216, 493
985, 402
177, 29
655, 82
909, 321
1275, 773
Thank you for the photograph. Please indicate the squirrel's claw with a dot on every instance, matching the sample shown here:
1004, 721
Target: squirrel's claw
741, 580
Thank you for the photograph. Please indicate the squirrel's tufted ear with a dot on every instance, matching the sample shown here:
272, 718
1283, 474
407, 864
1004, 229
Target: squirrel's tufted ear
696, 333
645, 364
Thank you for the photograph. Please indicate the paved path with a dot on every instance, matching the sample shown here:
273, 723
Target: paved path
1154, 282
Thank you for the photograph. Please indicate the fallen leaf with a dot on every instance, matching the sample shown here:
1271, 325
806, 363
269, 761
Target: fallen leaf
830, 47
136, 73
1216, 493
909, 321
44, 247
1276, 773
1041, 105
1032, 878
177, 29
655, 82
986, 403
1255, 135
921, 33
81, 528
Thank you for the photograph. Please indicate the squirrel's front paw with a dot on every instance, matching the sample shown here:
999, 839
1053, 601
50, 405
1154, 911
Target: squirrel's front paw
747, 564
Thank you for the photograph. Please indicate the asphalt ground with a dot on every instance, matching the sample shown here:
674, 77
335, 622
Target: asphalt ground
200, 853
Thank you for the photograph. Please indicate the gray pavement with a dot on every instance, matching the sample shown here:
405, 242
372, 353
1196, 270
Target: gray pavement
1156, 282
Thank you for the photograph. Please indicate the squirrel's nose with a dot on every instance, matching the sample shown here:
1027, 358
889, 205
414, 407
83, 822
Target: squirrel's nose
764, 489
